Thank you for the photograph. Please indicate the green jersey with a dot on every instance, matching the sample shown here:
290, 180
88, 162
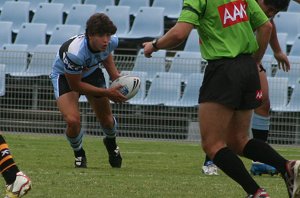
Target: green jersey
224, 26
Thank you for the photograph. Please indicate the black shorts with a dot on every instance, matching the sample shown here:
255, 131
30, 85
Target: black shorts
96, 79
233, 82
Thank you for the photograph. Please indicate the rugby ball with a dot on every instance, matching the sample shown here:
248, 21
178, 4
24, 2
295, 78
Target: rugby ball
131, 85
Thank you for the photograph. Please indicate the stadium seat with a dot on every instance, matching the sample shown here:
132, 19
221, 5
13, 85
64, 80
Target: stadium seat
34, 4
150, 65
62, 33
79, 14
135, 5
139, 97
268, 61
49, 13
164, 88
191, 92
186, 63
294, 104
294, 73
2, 3
278, 92
67, 4
192, 42
5, 32
172, 7
31, 34
120, 17
41, 61
143, 28
282, 37
295, 49
15, 57
100, 4
293, 7
2, 79
16, 12
288, 22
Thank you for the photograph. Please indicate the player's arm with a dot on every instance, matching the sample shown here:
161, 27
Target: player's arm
174, 37
111, 68
280, 56
263, 34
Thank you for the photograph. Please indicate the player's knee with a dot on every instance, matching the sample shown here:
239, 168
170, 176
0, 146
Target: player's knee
73, 121
108, 122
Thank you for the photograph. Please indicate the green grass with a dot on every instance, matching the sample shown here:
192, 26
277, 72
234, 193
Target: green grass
150, 169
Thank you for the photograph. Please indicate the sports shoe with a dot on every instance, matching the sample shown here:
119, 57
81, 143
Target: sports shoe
260, 193
20, 187
292, 178
258, 168
113, 151
210, 168
80, 162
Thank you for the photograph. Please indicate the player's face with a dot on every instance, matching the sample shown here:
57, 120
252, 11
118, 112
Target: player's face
99, 43
268, 10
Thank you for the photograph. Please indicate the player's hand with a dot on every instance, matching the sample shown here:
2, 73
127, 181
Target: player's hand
283, 61
148, 49
115, 95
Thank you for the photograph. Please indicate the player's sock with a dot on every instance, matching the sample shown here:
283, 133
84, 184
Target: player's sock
111, 133
260, 127
76, 143
207, 159
232, 165
8, 167
258, 150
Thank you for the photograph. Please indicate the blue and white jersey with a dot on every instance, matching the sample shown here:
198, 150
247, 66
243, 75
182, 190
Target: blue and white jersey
76, 57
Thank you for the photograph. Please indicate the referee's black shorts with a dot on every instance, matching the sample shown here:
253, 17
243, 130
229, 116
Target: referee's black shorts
233, 82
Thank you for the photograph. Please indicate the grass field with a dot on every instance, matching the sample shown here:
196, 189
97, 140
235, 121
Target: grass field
150, 169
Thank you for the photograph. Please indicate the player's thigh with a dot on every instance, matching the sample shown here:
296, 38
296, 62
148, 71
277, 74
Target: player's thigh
102, 108
68, 106
264, 85
238, 130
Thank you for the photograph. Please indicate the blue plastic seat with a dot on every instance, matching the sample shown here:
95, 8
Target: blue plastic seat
172, 7
62, 33
143, 28
67, 4
101, 4
294, 74
293, 7
295, 49
192, 42
2, 79
34, 4
16, 12
49, 13
120, 17
5, 32
15, 57
134, 5
282, 38
32, 34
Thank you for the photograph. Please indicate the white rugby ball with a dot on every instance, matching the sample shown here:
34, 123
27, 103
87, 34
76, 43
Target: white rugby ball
131, 85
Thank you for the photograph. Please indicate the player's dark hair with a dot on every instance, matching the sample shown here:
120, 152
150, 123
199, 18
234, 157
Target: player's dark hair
277, 4
100, 24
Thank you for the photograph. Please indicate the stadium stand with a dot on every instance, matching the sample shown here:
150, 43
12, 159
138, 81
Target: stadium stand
16, 12
49, 13
78, 15
293, 7
172, 7
186, 63
15, 57
62, 33
295, 49
165, 87
192, 42
5, 32
121, 18
31, 34
67, 4
143, 28
268, 61
288, 22
2, 79
278, 92
101, 4
282, 37
294, 73
34, 4
156, 64
135, 5
191, 92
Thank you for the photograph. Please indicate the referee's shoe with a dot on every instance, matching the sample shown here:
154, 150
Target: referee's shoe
113, 151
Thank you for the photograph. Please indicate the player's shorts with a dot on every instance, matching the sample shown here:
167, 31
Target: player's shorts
61, 85
233, 82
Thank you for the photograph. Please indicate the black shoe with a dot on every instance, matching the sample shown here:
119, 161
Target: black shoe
80, 159
113, 151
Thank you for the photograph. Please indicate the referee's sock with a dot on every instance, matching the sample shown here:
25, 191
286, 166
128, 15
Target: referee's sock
233, 166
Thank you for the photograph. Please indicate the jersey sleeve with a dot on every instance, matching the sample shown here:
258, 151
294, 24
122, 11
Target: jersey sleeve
73, 64
257, 16
192, 11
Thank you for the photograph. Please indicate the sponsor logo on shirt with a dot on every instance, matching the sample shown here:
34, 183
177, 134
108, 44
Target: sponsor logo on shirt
233, 12
259, 95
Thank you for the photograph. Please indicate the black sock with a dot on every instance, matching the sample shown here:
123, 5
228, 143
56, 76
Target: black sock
79, 153
207, 159
10, 174
260, 134
233, 166
258, 150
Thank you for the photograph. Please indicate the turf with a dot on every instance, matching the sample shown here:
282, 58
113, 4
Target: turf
150, 169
